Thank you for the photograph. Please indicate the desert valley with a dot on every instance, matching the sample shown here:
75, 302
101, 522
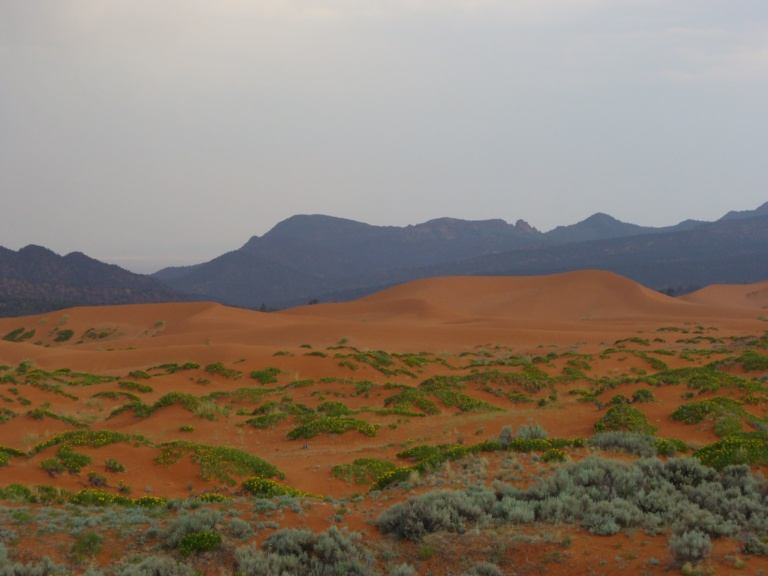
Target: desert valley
450, 423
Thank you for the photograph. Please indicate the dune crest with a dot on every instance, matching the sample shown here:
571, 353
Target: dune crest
567, 297
731, 295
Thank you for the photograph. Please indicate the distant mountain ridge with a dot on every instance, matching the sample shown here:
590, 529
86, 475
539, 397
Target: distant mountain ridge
35, 279
307, 257
318, 257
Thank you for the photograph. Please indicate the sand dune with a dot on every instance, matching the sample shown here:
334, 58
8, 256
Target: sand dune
437, 313
731, 295
573, 296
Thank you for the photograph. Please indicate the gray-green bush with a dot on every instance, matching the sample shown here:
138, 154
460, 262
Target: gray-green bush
603, 496
293, 551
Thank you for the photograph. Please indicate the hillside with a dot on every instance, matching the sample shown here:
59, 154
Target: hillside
35, 279
307, 257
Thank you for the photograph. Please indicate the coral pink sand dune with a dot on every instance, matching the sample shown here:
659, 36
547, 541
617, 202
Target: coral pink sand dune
732, 295
433, 314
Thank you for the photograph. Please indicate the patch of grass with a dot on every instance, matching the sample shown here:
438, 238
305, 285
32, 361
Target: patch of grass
19, 335
446, 389
331, 425
264, 421
409, 397
63, 335
362, 470
218, 369
702, 378
136, 387
90, 439
86, 545
217, 462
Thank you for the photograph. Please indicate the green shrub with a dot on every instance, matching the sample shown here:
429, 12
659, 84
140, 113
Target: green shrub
554, 455
135, 386
266, 420
87, 545
113, 465
412, 397
624, 417
199, 542
266, 376
267, 488
333, 409
63, 335
752, 361
742, 448
331, 425
643, 395
219, 462
362, 470
218, 369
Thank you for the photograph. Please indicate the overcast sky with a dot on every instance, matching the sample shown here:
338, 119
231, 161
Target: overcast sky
155, 132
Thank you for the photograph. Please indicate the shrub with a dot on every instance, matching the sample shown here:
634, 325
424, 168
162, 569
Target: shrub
484, 569
604, 497
218, 462
624, 417
362, 470
44, 567
63, 335
412, 397
112, 465
96, 480
753, 361
154, 566
266, 376
554, 455
331, 425
531, 432
199, 542
217, 368
135, 386
264, 421
403, 570
86, 545
690, 546
643, 395
267, 488
329, 553
187, 523
742, 448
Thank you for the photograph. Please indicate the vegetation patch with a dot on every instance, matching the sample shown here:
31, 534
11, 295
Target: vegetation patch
602, 496
741, 448
218, 369
623, 417
266, 376
217, 462
261, 487
331, 425
362, 470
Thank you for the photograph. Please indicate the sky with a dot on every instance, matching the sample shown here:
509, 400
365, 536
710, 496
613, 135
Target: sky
155, 132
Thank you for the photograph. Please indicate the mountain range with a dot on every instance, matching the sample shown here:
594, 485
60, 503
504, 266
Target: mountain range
309, 258
35, 279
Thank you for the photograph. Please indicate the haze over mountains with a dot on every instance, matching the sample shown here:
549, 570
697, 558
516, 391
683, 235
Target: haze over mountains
317, 257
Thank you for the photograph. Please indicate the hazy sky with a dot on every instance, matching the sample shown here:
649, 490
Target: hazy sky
150, 132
